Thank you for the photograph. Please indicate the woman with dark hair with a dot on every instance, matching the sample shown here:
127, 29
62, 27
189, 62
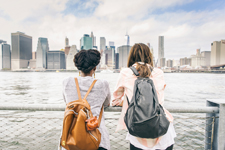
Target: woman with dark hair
86, 61
141, 58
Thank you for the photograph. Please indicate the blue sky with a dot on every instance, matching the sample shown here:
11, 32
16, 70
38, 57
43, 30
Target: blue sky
80, 8
195, 5
185, 24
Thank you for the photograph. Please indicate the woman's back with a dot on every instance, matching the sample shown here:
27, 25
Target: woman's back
99, 95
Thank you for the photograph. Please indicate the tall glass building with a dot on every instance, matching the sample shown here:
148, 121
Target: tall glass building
123, 55
69, 59
21, 50
86, 42
56, 60
5, 56
41, 55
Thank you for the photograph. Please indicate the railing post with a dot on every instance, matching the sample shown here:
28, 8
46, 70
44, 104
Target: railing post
222, 127
215, 131
211, 128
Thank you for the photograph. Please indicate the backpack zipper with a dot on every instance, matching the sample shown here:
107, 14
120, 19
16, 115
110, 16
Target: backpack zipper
72, 111
93, 136
89, 131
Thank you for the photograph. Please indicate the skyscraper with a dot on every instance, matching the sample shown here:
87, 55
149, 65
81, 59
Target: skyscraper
222, 52
160, 50
218, 53
86, 42
117, 61
152, 51
69, 59
127, 39
110, 57
169, 63
66, 42
162, 62
123, 55
94, 42
41, 55
21, 50
93, 39
67, 50
111, 43
102, 50
34, 54
5, 55
56, 60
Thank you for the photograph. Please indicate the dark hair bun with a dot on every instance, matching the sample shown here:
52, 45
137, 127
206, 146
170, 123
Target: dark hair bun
86, 60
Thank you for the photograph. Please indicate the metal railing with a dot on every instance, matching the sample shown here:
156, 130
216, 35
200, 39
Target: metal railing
39, 127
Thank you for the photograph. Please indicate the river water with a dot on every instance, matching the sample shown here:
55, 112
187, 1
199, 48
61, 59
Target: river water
46, 87
182, 89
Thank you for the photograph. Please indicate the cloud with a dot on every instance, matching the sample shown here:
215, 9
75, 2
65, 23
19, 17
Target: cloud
184, 31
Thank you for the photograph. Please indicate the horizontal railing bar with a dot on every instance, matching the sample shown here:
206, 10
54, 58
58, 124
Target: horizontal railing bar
56, 107
193, 109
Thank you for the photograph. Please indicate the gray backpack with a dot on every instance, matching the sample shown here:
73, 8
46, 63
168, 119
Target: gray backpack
145, 117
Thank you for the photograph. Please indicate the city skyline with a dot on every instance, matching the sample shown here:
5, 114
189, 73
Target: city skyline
183, 23
45, 59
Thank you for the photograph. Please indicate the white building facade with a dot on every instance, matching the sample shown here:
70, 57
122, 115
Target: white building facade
201, 59
218, 53
69, 59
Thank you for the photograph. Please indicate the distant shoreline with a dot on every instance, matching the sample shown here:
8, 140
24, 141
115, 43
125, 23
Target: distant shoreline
197, 71
117, 71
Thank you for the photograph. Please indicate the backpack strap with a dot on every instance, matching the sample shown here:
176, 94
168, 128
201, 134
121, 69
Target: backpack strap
78, 89
89, 90
134, 70
127, 100
100, 116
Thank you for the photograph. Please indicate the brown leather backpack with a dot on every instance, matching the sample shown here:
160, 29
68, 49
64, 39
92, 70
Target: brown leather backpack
75, 135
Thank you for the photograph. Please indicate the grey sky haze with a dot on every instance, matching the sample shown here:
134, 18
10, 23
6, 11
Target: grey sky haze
185, 24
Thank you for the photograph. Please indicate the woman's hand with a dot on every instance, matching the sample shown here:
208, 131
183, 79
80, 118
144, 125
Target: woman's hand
117, 102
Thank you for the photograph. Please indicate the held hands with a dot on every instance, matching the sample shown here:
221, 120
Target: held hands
117, 102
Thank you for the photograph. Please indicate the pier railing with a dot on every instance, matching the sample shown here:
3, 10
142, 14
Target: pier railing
39, 126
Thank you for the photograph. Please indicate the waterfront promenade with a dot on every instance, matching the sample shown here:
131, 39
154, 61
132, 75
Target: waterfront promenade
25, 126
